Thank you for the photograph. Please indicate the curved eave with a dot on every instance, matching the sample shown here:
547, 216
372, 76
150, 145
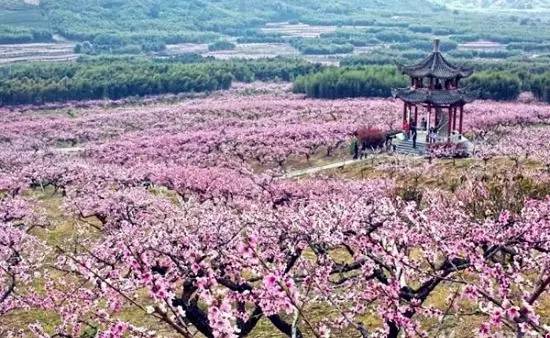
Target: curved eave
439, 98
436, 66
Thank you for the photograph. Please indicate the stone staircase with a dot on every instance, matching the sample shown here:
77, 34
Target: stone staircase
406, 147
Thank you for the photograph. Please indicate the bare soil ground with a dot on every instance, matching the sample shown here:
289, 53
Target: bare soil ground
245, 50
481, 44
297, 30
300, 30
255, 51
182, 48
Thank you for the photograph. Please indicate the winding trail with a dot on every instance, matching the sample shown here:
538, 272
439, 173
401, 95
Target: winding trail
314, 170
291, 174
67, 150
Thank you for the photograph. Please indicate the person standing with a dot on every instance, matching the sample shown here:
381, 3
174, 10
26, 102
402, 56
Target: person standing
355, 147
413, 133
432, 135
424, 124
406, 129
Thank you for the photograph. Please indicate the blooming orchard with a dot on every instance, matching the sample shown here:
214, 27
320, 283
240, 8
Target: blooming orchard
180, 216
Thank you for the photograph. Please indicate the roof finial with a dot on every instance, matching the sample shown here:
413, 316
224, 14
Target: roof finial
436, 45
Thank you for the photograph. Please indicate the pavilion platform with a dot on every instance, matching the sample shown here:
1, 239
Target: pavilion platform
403, 145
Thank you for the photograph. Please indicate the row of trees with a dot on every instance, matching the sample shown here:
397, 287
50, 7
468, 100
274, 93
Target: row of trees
9, 36
119, 78
319, 46
501, 85
113, 82
221, 45
484, 54
377, 81
495, 85
344, 40
343, 82
540, 86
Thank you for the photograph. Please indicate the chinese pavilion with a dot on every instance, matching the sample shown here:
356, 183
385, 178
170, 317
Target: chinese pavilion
435, 85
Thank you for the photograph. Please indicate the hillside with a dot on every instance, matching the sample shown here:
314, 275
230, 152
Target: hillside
187, 21
285, 27
142, 16
497, 4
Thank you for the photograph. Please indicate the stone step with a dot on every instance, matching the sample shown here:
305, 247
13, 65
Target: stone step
410, 151
418, 148
406, 147
409, 143
410, 147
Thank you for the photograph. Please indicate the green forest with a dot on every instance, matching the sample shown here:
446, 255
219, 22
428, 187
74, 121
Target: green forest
378, 81
373, 81
108, 78
115, 78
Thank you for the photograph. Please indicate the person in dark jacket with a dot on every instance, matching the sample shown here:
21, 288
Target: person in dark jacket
423, 124
355, 148
413, 133
406, 129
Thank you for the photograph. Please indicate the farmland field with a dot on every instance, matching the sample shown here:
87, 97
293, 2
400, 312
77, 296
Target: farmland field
256, 50
124, 27
297, 30
260, 51
482, 45
168, 211
37, 52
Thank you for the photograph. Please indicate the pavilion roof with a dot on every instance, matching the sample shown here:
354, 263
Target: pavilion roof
434, 65
434, 97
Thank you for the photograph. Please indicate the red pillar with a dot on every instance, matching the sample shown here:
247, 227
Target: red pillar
460, 122
454, 118
404, 112
429, 123
449, 125
416, 115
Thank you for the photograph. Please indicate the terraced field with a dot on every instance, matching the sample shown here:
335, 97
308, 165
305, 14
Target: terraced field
37, 52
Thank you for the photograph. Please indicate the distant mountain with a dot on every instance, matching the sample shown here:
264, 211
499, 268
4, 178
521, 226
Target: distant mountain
496, 4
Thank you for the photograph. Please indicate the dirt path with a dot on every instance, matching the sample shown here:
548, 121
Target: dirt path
314, 170
292, 174
67, 150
